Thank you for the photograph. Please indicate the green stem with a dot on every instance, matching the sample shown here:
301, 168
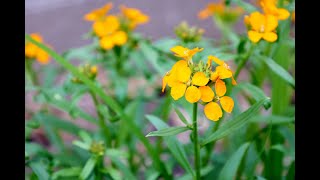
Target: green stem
243, 61
31, 72
195, 141
102, 124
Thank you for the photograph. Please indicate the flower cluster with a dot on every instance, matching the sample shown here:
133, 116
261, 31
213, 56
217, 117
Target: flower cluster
187, 33
88, 70
195, 82
113, 30
225, 12
34, 52
263, 26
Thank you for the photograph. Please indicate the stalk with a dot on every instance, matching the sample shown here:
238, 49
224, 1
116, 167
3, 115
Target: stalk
195, 141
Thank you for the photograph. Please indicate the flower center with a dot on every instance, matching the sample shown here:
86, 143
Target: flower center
262, 29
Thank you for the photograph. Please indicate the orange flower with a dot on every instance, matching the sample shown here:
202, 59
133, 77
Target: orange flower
270, 7
135, 16
34, 52
185, 53
98, 14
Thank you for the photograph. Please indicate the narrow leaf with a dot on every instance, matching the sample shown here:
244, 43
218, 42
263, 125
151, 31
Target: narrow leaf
229, 170
277, 69
68, 172
88, 167
39, 169
168, 131
181, 116
255, 92
236, 123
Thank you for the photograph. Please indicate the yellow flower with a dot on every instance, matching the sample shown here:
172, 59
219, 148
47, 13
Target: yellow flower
135, 16
222, 71
98, 14
207, 93
34, 52
109, 41
220, 9
212, 110
263, 26
185, 53
106, 26
270, 7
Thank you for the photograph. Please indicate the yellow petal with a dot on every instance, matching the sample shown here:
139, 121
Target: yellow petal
107, 26
227, 103
207, 93
180, 51
178, 90
246, 20
200, 79
96, 14
223, 72
183, 73
283, 14
193, 94
42, 57
256, 20
220, 87
216, 60
233, 82
254, 36
270, 36
119, 38
164, 82
194, 51
213, 111
106, 43
214, 76
30, 50
209, 62
36, 36
271, 23
178, 65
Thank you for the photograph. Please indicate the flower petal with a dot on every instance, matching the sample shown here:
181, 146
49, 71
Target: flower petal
216, 60
271, 23
164, 82
254, 36
178, 90
227, 103
42, 56
180, 51
283, 14
183, 74
199, 79
220, 87
193, 94
119, 38
214, 76
213, 111
233, 81
207, 93
256, 20
106, 43
270, 36
224, 72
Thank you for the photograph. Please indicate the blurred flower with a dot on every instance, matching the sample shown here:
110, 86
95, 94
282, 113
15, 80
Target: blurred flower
270, 7
226, 13
193, 81
135, 16
188, 34
185, 53
88, 70
99, 13
293, 16
262, 26
34, 52
106, 26
117, 38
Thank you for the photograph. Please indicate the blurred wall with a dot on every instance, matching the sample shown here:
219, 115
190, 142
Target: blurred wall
62, 25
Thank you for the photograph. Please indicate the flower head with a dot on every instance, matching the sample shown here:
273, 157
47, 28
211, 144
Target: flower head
98, 14
135, 16
270, 7
262, 26
194, 81
34, 52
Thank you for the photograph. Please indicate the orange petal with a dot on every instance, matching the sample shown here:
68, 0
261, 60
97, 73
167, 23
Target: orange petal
213, 111
227, 103
42, 57
183, 73
283, 14
180, 51
270, 36
256, 20
199, 79
119, 38
233, 82
224, 72
106, 43
207, 93
254, 36
216, 60
178, 90
214, 76
220, 87
193, 94
164, 82
271, 23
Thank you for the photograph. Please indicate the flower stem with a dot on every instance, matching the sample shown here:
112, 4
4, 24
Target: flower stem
31, 72
195, 141
243, 61
102, 123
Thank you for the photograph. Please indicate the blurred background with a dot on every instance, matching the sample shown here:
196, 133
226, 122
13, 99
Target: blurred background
61, 22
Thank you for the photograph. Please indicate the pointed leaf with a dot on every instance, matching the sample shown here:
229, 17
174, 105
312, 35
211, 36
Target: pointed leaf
168, 131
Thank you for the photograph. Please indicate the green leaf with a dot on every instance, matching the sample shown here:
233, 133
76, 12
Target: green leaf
274, 119
88, 168
259, 178
229, 170
81, 145
115, 159
114, 173
255, 92
181, 116
173, 144
39, 169
168, 131
68, 172
152, 56
234, 124
33, 124
277, 69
